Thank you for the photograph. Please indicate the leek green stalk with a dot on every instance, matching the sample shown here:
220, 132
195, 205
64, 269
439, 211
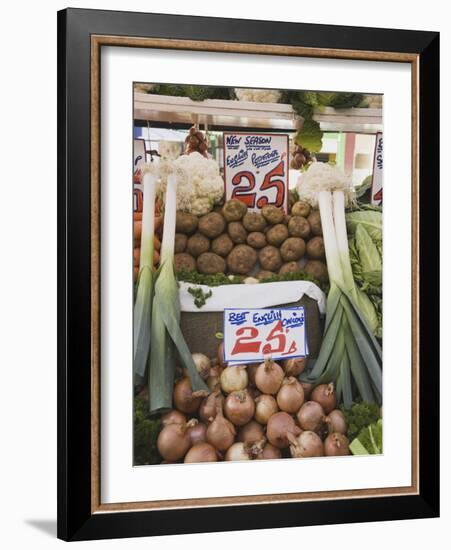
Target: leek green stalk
350, 356
166, 336
145, 280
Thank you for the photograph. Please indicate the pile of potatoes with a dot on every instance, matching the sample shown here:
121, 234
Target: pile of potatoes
233, 240
257, 411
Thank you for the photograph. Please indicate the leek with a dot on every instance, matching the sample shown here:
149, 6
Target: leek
143, 303
350, 356
166, 336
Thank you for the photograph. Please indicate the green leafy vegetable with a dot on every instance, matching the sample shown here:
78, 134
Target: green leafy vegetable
369, 440
310, 137
200, 297
196, 93
220, 279
371, 220
339, 100
145, 434
359, 416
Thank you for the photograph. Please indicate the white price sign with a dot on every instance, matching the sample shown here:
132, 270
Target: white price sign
256, 169
250, 335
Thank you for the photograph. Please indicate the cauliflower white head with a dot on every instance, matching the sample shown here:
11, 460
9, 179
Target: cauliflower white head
321, 176
200, 185
258, 95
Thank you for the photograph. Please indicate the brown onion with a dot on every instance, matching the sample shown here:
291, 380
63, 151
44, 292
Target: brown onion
336, 445
306, 444
252, 431
234, 378
290, 397
184, 400
220, 355
173, 417
269, 376
269, 452
244, 451
324, 394
201, 452
251, 372
254, 392
209, 406
311, 416
173, 442
279, 426
307, 387
336, 422
294, 366
202, 363
221, 432
265, 407
239, 407
196, 430
213, 380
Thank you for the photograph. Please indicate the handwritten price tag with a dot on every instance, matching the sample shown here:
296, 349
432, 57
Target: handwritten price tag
256, 169
252, 334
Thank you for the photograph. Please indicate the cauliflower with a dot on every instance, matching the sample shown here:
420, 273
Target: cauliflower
258, 95
322, 176
200, 184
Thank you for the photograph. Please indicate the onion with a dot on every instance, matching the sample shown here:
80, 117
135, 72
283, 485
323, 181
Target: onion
209, 406
251, 372
307, 387
221, 432
306, 444
250, 432
336, 422
173, 442
244, 451
234, 378
269, 376
324, 394
311, 416
279, 426
184, 399
173, 417
336, 444
254, 392
294, 366
220, 355
290, 397
201, 452
213, 381
269, 452
203, 364
196, 430
239, 407
265, 407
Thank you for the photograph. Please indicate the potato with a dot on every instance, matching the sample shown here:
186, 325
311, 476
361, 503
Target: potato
292, 249
300, 208
256, 239
318, 270
185, 223
272, 214
222, 245
234, 210
314, 220
298, 226
269, 258
180, 243
237, 232
197, 244
211, 225
289, 267
242, 259
184, 261
277, 234
315, 248
210, 263
254, 221
264, 274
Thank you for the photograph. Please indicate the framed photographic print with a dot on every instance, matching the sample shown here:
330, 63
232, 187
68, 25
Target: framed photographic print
248, 274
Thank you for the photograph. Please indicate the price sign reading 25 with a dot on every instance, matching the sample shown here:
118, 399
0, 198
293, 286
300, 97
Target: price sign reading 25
256, 169
252, 334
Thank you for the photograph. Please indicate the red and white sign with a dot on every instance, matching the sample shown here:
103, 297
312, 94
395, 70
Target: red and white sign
378, 167
256, 169
250, 335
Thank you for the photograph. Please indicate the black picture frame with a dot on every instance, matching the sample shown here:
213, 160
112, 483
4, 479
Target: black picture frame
76, 520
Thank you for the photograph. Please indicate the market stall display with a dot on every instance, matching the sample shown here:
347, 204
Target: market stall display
199, 255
